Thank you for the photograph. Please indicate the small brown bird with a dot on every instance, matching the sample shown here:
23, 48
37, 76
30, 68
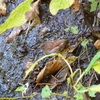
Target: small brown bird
55, 46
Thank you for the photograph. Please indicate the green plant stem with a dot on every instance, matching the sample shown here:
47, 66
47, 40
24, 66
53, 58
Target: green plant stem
20, 97
53, 54
29, 23
77, 83
79, 78
83, 91
94, 59
68, 18
35, 95
62, 95
66, 62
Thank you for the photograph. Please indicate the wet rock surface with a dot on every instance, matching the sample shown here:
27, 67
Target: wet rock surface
14, 56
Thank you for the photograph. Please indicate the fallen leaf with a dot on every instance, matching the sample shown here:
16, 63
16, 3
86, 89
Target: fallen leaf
60, 77
44, 30
73, 47
97, 44
31, 16
54, 66
2, 7
49, 68
15, 32
76, 5
35, 7
36, 22
34, 12
55, 46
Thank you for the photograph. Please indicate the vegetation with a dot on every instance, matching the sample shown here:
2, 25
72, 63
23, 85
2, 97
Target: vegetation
17, 16
80, 90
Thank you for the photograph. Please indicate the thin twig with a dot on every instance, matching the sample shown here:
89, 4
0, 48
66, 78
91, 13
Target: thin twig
26, 32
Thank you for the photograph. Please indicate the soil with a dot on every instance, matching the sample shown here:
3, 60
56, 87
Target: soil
13, 60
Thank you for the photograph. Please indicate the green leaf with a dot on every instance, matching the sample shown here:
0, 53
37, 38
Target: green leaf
65, 93
94, 59
74, 29
92, 94
46, 92
96, 66
17, 16
1, 0
56, 5
90, 40
79, 86
21, 88
84, 43
93, 6
67, 29
72, 75
99, 5
83, 88
94, 88
79, 96
91, 0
